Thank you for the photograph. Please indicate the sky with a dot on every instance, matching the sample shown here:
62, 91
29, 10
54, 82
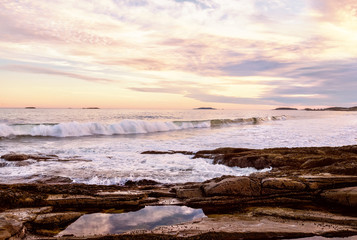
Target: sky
233, 54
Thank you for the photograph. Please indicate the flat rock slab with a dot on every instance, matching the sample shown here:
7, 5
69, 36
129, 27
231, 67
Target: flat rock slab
308, 215
242, 226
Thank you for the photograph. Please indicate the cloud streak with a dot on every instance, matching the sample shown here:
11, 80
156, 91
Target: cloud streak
47, 71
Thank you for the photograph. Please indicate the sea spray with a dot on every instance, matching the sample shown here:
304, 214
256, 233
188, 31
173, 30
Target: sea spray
126, 126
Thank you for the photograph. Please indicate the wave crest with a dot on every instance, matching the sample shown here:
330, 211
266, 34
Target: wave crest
76, 129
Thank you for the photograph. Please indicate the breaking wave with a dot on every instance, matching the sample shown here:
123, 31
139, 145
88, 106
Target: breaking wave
77, 129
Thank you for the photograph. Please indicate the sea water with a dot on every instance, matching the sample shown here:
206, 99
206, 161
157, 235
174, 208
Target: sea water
108, 142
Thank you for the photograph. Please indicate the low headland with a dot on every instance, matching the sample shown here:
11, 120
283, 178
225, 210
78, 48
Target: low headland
91, 108
285, 108
310, 191
321, 109
333, 109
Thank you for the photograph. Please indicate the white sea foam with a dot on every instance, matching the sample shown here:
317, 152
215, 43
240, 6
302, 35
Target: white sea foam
76, 129
79, 129
116, 159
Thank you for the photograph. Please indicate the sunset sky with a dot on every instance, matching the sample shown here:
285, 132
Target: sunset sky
178, 53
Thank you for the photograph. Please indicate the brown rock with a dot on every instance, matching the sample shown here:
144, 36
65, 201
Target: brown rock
237, 186
57, 218
9, 227
245, 226
328, 181
255, 161
12, 221
313, 163
284, 184
343, 196
336, 160
189, 193
304, 215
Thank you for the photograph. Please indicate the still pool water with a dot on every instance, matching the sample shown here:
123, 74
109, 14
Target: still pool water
147, 218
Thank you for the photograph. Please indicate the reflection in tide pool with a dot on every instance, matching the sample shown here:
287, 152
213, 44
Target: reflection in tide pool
146, 218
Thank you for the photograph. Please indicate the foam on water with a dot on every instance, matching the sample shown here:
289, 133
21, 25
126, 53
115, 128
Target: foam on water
113, 146
126, 126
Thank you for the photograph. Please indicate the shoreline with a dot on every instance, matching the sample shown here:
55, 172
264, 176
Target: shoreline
313, 188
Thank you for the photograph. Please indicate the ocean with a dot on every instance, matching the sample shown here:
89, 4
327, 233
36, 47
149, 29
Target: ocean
104, 146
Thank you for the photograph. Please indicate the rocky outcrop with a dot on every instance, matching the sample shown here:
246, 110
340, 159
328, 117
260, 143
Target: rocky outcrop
309, 191
335, 160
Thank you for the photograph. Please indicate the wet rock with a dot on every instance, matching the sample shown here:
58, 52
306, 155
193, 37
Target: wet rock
219, 152
343, 196
143, 182
168, 152
15, 157
236, 186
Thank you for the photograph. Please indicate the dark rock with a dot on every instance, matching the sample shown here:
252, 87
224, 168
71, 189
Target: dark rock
143, 182
22, 157
168, 152
15, 157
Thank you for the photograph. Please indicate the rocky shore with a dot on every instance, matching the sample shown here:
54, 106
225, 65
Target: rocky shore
308, 192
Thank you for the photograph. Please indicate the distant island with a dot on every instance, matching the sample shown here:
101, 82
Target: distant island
30, 107
205, 108
332, 109
91, 108
285, 108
